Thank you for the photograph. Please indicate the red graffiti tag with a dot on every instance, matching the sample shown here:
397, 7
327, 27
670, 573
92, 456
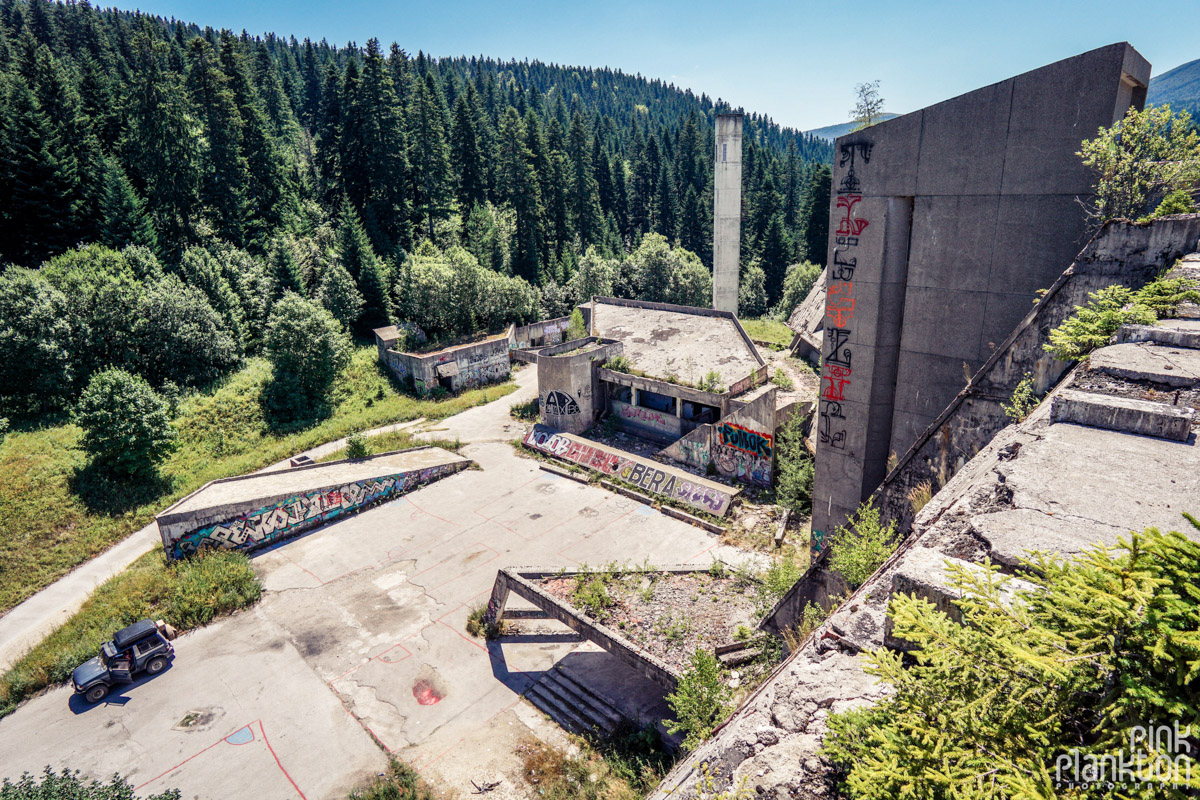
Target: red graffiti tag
850, 225
839, 307
837, 378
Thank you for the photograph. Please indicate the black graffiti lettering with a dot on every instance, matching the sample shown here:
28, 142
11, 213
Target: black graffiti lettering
838, 354
843, 268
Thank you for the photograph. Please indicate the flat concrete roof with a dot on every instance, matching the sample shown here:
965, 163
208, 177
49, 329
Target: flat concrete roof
687, 345
248, 488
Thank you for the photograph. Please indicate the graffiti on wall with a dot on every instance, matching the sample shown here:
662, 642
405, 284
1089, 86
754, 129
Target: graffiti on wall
695, 453
644, 474
836, 368
295, 514
743, 466
640, 416
560, 403
747, 440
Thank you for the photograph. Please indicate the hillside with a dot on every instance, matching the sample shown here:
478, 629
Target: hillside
831, 132
1180, 88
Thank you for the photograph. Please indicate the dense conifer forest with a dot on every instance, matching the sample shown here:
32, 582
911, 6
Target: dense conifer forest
162, 185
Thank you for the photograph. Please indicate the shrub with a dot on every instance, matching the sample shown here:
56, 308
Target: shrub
591, 591
1024, 400
797, 284
794, 465
619, 363
810, 619
711, 382
68, 785
752, 291
400, 782
781, 379
700, 702
35, 344
1092, 325
126, 426
1140, 159
576, 329
862, 545
307, 348
1104, 643
478, 624
1177, 202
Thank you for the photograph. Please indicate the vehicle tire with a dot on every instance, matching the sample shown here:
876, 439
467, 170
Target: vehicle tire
96, 693
156, 665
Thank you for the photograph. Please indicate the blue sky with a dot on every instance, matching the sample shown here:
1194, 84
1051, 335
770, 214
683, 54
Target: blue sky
796, 61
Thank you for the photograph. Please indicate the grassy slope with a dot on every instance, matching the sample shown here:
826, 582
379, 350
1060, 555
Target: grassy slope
768, 330
47, 528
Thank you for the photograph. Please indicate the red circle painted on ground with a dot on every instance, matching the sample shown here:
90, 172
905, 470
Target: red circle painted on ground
425, 693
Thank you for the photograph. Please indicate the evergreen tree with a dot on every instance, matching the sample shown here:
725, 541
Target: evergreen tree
358, 258
125, 221
466, 153
584, 192
814, 212
222, 167
430, 154
519, 188
339, 296
775, 252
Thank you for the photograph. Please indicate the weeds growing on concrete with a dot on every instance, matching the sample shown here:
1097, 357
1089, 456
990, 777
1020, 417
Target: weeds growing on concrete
700, 702
862, 545
711, 382
591, 590
527, 411
400, 782
356, 446
782, 380
187, 594
810, 619
625, 766
919, 496
478, 625
1024, 400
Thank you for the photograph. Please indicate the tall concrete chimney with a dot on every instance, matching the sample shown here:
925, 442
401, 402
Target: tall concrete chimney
727, 212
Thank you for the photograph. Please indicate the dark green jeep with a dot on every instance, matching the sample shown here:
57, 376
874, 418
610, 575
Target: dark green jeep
142, 647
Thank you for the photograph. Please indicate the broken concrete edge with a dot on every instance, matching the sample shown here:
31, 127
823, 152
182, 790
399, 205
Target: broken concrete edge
694, 310
781, 531
517, 580
564, 473
1123, 414
1158, 334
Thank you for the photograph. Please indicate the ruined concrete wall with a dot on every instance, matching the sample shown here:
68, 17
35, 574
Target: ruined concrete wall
539, 334
1126, 253
649, 476
266, 521
944, 224
743, 443
569, 392
808, 322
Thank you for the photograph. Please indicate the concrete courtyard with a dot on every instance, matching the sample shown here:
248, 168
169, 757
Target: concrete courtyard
359, 645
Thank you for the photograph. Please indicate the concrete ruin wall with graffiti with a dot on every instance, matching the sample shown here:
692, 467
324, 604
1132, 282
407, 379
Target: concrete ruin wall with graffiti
642, 473
280, 519
741, 445
465, 367
539, 334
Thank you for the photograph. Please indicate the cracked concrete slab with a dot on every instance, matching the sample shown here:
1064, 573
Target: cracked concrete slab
1172, 366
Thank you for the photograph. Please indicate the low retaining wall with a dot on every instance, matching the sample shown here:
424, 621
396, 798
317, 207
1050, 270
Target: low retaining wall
650, 476
240, 518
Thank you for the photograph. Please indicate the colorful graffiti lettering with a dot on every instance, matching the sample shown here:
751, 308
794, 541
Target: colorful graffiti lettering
736, 463
643, 414
695, 453
559, 403
745, 439
291, 516
643, 474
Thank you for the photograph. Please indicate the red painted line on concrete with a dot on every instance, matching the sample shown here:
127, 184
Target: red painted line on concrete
195, 755
377, 657
705, 550
435, 516
267, 742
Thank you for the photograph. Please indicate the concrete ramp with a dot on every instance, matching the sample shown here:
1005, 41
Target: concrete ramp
257, 510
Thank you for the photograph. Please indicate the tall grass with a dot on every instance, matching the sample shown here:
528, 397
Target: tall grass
53, 517
187, 594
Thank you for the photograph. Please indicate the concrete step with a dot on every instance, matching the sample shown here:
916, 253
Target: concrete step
1124, 414
573, 706
600, 705
1173, 332
1177, 367
552, 707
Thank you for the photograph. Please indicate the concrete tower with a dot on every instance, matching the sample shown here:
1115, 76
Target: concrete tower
727, 212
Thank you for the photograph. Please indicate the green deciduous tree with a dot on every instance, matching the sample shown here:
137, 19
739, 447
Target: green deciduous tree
1140, 159
35, 341
339, 296
307, 348
797, 283
862, 545
68, 785
179, 337
126, 426
700, 702
664, 274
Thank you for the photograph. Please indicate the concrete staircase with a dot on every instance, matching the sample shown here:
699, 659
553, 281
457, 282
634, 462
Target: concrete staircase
1147, 381
573, 705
